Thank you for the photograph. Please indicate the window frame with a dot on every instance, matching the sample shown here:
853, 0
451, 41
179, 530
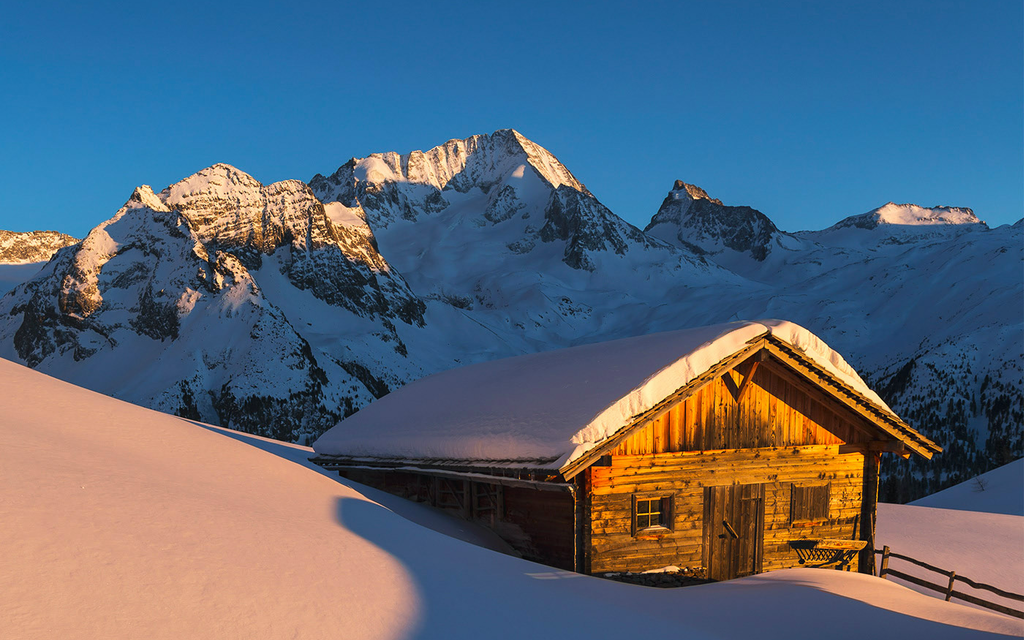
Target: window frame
808, 502
666, 511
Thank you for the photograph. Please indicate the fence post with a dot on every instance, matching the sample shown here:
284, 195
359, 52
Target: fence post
885, 562
949, 589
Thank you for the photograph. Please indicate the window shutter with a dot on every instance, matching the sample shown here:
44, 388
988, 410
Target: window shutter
809, 503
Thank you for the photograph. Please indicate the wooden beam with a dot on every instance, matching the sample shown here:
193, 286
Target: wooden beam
876, 446
737, 391
438, 474
747, 378
730, 384
869, 506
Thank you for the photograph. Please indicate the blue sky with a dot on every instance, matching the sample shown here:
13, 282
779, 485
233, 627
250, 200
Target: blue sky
807, 111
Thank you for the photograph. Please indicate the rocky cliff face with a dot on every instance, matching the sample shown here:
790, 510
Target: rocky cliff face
31, 246
690, 218
335, 259
144, 310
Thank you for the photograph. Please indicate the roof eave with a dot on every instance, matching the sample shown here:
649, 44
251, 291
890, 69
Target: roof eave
886, 421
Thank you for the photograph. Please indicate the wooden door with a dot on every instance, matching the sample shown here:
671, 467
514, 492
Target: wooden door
733, 530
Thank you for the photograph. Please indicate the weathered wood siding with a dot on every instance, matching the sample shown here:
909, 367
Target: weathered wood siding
537, 524
540, 526
610, 545
775, 411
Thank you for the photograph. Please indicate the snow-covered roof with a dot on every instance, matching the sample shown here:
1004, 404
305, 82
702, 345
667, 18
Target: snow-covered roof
550, 408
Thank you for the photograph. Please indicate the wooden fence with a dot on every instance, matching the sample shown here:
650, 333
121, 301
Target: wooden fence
949, 589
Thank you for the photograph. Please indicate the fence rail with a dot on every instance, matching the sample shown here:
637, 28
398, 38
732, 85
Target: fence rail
948, 590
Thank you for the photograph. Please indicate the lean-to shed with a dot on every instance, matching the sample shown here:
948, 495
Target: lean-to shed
734, 448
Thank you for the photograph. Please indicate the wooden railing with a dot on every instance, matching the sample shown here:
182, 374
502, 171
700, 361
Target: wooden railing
948, 590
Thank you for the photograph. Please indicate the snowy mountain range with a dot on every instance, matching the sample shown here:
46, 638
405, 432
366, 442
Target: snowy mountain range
278, 309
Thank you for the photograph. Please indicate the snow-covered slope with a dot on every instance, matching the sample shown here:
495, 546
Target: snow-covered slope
11, 275
998, 491
984, 547
31, 246
120, 522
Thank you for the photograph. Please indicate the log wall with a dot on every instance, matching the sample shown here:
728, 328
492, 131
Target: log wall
540, 525
610, 545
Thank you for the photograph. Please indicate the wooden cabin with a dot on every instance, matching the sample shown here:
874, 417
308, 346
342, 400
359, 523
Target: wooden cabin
732, 450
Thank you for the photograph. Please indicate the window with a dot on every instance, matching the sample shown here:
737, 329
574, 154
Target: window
809, 504
651, 512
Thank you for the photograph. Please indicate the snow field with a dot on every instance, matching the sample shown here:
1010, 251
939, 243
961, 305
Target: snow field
984, 543
998, 491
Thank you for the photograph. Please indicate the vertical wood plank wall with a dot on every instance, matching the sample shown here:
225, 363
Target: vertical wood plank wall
778, 434
772, 413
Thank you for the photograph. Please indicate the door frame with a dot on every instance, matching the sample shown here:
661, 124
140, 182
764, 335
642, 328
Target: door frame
712, 530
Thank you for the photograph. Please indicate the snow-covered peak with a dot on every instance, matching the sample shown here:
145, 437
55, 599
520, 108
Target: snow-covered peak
683, 190
546, 164
229, 207
331, 252
689, 217
498, 189
220, 179
143, 197
480, 160
910, 215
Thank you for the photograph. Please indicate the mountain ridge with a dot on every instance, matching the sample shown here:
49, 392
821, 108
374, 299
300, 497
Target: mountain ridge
26, 247
911, 215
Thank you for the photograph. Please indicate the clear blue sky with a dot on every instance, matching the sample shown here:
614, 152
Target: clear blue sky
808, 111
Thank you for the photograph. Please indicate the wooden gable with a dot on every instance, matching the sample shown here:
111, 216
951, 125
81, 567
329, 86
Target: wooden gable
772, 411
765, 395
